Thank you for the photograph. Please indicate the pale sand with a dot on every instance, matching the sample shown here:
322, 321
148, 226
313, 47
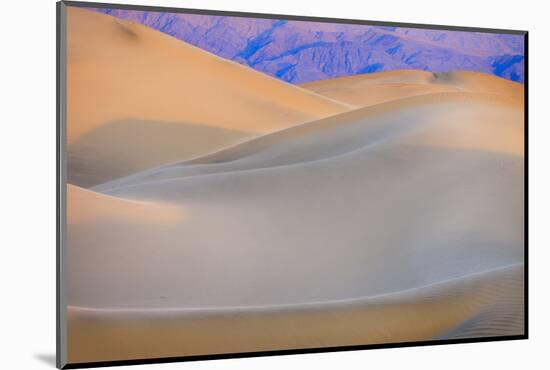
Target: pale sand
489, 304
283, 229
119, 71
373, 202
370, 89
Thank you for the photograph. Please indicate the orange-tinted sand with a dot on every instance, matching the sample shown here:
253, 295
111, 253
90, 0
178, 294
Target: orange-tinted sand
370, 89
120, 72
88, 207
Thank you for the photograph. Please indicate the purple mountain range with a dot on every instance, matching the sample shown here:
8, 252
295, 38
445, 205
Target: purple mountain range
299, 51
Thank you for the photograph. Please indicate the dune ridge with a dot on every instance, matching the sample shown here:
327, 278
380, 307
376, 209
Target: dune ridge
84, 206
171, 82
370, 89
167, 63
401, 120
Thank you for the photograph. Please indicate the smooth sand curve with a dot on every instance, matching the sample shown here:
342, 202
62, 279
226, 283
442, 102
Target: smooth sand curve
420, 314
280, 200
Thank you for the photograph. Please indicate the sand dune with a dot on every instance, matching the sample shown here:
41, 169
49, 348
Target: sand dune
233, 212
449, 120
420, 314
370, 89
183, 102
324, 188
121, 71
412, 195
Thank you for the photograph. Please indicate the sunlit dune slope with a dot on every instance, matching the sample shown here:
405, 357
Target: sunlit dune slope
370, 89
120, 71
479, 82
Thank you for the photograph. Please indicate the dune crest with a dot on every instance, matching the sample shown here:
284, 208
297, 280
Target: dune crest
85, 207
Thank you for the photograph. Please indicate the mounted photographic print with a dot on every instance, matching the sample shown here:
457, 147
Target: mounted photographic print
236, 184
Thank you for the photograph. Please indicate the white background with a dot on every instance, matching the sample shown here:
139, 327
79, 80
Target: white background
27, 203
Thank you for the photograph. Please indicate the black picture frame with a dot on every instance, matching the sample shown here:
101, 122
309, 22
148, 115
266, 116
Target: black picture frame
61, 362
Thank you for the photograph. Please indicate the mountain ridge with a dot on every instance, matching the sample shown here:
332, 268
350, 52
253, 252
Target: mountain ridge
299, 51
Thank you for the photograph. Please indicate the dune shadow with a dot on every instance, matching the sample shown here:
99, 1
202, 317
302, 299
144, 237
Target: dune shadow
123, 147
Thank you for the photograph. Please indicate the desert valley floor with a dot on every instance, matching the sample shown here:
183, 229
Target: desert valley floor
214, 209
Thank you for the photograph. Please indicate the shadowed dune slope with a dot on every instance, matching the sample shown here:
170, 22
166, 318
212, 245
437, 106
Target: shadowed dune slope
121, 148
122, 71
370, 89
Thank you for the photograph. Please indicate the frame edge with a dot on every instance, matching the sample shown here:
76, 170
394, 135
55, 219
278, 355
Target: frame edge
85, 4
61, 70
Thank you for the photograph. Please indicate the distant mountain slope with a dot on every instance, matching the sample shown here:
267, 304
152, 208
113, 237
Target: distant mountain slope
300, 52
